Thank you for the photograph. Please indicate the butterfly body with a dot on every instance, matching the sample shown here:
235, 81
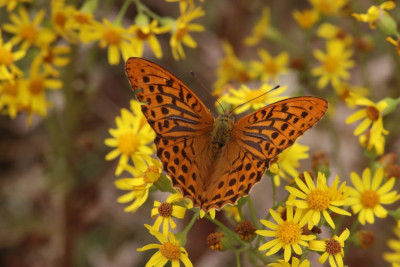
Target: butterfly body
214, 162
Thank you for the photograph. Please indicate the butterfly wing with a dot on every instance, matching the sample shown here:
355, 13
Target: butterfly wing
258, 138
181, 121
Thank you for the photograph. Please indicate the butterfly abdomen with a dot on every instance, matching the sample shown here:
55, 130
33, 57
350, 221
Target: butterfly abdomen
221, 134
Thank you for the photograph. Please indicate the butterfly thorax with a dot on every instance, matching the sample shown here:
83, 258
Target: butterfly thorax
221, 133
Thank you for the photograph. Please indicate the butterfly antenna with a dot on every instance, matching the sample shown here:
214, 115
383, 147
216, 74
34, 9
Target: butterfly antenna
276, 87
206, 89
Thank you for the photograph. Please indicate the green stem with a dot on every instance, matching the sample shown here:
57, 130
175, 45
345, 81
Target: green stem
237, 254
252, 212
121, 14
273, 191
142, 8
189, 226
226, 230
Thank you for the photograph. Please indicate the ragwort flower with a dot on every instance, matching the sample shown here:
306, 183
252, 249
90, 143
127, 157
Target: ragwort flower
288, 233
168, 251
306, 18
332, 249
269, 67
12, 4
259, 98
131, 139
144, 176
7, 59
295, 263
316, 200
260, 29
10, 97
328, 7
374, 13
394, 244
335, 63
23, 29
181, 30
368, 195
166, 210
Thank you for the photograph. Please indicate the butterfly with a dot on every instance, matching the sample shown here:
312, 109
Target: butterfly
211, 161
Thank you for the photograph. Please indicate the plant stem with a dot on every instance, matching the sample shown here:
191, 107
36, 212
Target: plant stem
252, 212
226, 230
237, 254
190, 224
121, 14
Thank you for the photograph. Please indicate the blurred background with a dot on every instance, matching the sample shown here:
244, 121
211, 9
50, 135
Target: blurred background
58, 202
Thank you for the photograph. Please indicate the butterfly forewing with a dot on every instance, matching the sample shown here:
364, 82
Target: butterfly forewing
268, 131
171, 108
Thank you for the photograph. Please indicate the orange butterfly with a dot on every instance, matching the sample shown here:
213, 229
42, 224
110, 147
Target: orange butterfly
214, 162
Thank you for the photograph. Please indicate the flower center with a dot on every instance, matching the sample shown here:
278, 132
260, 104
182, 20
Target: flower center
331, 64
372, 113
10, 89
165, 210
333, 247
60, 19
151, 175
6, 57
82, 18
245, 230
49, 56
318, 200
253, 94
36, 86
142, 35
181, 32
128, 144
369, 199
214, 241
170, 251
112, 37
271, 67
28, 32
242, 76
289, 232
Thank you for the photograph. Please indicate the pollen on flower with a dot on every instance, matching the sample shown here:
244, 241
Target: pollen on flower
214, 241
165, 210
181, 32
367, 238
36, 86
128, 144
151, 175
10, 88
318, 200
331, 64
60, 19
28, 32
369, 199
271, 68
245, 230
170, 251
333, 247
112, 37
6, 57
289, 232
142, 35
372, 113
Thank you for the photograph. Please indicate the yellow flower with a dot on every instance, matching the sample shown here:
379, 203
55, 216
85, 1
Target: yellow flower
288, 162
374, 13
232, 212
168, 250
23, 29
372, 119
166, 211
11, 4
33, 90
335, 63
240, 97
145, 32
328, 7
260, 29
269, 67
394, 244
332, 249
10, 97
144, 175
350, 93
395, 43
316, 200
112, 36
378, 142
295, 263
329, 31
131, 139
55, 56
61, 14
230, 69
367, 196
7, 59
306, 18
181, 29
288, 233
